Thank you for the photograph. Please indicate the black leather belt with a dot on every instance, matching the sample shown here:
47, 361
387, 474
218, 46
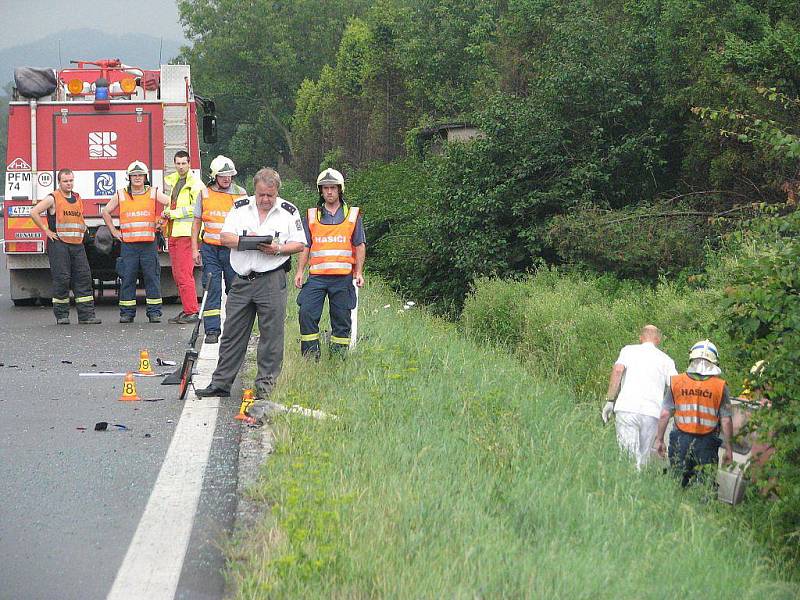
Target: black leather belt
256, 274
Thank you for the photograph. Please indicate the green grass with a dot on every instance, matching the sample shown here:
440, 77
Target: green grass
452, 473
570, 328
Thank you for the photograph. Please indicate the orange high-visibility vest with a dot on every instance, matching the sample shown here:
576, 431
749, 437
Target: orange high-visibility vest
137, 216
332, 251
216, 206
697, 403
70, 225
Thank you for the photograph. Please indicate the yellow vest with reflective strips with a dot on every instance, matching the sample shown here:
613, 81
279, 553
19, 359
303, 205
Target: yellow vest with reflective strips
183, 207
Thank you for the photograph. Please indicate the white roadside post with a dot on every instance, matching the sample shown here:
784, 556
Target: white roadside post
354, 321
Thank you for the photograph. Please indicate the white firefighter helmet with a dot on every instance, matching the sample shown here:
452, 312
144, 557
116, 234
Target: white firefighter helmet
330, 177
222, 165
137, 167
706, 350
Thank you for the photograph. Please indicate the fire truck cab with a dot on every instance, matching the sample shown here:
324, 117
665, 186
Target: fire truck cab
94, 118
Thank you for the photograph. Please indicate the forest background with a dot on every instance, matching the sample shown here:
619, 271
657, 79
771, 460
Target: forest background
632, 150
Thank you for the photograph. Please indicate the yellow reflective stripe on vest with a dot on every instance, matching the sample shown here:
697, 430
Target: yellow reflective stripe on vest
127, 302
84, 298
70, 234
153, 300
340, 340
71, 226
309, 337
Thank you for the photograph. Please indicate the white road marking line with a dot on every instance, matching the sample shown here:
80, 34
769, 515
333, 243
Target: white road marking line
152, 566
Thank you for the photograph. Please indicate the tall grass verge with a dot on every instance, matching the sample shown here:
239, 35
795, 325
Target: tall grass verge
451, 472
570, 327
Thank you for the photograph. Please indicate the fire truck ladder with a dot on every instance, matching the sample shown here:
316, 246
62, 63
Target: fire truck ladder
176, 94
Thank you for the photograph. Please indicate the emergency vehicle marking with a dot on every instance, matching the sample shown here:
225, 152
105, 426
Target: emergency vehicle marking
18, 164
15, 180
27, 235
45, 179
105, 183
102, 144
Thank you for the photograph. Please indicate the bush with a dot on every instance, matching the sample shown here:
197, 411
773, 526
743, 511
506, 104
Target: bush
644, 242
405, 244
761, 310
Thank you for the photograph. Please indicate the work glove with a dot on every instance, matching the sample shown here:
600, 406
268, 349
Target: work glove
608, 410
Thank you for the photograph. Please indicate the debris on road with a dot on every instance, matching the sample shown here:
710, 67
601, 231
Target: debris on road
106, 426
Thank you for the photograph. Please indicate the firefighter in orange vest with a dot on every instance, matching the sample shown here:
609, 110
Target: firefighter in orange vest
69, 267
335, 251
139, 206
700, 402
213, 205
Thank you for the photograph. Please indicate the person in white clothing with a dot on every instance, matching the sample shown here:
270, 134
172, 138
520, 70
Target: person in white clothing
635, 392
260, 286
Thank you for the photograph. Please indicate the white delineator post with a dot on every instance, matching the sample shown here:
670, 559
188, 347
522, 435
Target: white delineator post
354, 321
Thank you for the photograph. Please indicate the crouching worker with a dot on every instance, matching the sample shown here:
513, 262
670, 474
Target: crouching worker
700, 401
335, 250
138, 211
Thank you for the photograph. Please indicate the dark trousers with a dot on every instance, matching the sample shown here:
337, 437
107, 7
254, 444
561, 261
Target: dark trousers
266, 297
341, 298
138, 257
69, 268
217, 261
689, 452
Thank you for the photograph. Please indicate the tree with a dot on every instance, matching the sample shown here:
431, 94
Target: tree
252, 57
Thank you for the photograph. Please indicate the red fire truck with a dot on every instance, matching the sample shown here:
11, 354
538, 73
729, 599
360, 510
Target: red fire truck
94, 118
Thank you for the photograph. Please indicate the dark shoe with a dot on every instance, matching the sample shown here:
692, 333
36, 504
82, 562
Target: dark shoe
176, 320
154, 318
212, 391
212, 338
192, 318
62, 321
126, 319
92, 321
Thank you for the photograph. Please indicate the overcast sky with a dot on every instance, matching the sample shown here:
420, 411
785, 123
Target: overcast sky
28, 20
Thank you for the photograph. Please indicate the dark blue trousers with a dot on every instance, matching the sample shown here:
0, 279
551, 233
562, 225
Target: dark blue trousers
341, 298
217, 261
688, 452
136, 257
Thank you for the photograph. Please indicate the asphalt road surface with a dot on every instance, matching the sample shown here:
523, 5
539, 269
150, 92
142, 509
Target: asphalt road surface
72, 498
